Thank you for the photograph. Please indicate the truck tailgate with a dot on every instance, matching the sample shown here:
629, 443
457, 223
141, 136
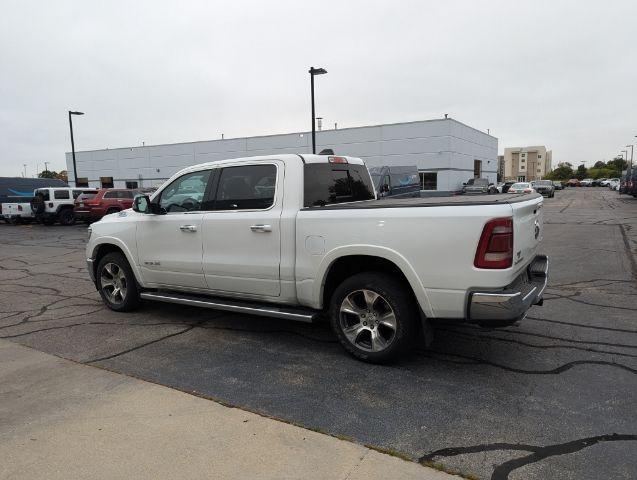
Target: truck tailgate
527, 229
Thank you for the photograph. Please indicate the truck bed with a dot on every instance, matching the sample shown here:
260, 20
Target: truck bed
458, 200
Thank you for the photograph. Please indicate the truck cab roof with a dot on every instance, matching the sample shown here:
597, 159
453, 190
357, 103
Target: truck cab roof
305, 158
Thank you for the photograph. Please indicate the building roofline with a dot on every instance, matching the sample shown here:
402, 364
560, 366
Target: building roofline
288, 133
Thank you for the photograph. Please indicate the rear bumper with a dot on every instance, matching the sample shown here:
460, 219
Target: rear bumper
500, 308
87, 215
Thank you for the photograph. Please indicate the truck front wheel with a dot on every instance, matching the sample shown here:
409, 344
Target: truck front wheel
374, 316
116, 283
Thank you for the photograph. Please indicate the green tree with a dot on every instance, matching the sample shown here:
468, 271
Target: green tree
48, 174
62, 175
617, 164
563, 171
599, 164
581, 172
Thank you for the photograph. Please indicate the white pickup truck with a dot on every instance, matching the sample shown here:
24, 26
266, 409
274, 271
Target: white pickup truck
17, 212
294, 236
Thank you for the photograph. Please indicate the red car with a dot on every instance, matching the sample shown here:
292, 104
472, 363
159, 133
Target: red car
573, 182
93, 206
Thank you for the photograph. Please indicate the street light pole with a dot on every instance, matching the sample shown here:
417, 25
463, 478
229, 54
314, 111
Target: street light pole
314, 71
73, 143
25, 170
46, 166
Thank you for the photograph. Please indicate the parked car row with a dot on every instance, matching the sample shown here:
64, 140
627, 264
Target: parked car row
590, 182
67, 205
482, 186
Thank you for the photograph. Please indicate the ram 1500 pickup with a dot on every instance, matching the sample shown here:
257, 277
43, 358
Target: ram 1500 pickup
297, 236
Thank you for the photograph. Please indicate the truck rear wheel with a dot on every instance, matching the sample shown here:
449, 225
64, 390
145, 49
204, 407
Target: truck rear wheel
116, 283
374, 317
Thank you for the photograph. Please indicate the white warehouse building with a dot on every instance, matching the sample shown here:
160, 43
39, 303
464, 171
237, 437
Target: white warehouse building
446, 152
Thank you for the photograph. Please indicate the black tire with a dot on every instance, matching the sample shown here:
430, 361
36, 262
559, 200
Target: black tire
394, 299
66, 217
108, 269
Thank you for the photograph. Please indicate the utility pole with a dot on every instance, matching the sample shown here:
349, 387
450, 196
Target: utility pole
73, 143
314, 71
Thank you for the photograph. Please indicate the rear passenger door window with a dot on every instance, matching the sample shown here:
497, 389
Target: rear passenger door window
61, 195
110, 195
249, 187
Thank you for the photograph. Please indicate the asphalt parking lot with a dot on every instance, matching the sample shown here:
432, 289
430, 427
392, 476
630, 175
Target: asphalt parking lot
554, 396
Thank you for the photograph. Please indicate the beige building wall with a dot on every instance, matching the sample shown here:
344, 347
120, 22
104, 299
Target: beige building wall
527, 163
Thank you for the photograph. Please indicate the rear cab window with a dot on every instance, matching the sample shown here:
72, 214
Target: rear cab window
332, 183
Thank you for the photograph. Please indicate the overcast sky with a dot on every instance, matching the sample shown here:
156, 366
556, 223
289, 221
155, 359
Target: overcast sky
558, 73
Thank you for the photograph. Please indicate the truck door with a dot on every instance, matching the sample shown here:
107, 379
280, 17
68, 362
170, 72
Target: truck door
242, 234
169, 246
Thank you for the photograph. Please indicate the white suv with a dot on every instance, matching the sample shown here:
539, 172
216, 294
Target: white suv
56, 204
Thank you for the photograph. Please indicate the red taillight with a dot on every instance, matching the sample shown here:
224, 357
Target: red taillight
495, 249
337, 159
527, 190
19, 208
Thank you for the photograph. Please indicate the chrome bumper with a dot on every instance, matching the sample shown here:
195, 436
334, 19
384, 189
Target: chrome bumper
511, 304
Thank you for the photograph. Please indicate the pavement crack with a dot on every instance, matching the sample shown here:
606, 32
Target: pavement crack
554, 371
579, 325
629, 253
535, 345
137, 347
538, 453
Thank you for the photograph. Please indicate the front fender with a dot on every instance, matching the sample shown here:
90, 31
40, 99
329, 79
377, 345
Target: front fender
130, 256
374, 251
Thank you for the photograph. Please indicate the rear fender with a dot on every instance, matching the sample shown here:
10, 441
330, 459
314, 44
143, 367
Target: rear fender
374, 251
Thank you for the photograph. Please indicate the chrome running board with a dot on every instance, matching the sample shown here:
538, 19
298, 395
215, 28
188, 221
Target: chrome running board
298, 314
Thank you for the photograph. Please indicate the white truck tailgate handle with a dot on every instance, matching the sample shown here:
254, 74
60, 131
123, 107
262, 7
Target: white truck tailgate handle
188, 228
261, 228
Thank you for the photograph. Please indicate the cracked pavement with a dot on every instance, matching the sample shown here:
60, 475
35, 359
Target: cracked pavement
553, 396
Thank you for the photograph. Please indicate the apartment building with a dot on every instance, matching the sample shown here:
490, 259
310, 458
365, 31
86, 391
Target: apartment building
524, 164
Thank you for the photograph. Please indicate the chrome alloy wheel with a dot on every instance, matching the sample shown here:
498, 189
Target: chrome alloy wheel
367, 320
113, 281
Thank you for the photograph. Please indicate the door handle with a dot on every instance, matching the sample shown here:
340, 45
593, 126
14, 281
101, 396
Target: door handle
188, 228
261, 228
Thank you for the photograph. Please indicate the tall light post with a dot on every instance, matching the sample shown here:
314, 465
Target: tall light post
73, 143
46, 166
632, 147
314, 71
25, 170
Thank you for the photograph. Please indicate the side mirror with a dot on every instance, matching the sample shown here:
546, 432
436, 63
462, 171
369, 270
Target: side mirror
141, 204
